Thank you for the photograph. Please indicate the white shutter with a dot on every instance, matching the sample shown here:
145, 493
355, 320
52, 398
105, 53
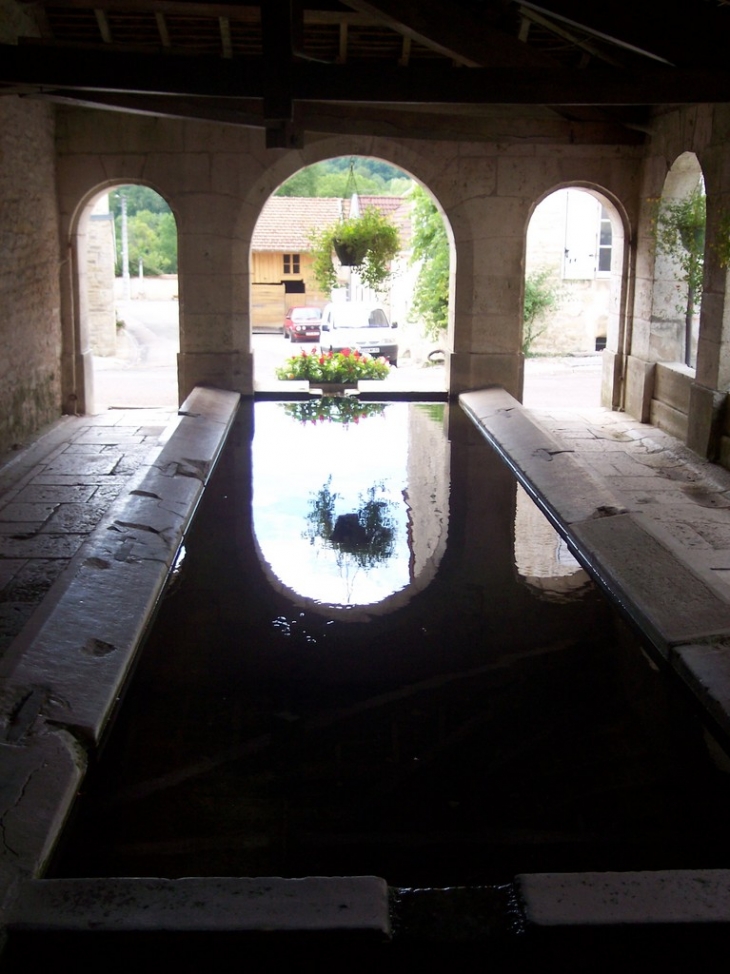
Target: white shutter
582, 223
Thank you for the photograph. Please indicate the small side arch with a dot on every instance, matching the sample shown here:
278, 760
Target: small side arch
77, 359
578, 231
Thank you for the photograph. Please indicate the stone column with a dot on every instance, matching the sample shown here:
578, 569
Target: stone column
708, 393
215, 347
489, 285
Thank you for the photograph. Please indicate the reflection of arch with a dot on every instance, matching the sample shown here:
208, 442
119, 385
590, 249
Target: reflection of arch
425, 471
542, 558
77, 353
669, 292
580, 230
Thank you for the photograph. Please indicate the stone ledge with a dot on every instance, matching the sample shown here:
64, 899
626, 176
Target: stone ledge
674, 896
81, 651
356, 905
39, 778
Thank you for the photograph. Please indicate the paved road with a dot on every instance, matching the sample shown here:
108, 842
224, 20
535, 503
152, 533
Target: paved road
144, 371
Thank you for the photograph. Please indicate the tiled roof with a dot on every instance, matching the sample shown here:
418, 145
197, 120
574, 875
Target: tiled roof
286, 221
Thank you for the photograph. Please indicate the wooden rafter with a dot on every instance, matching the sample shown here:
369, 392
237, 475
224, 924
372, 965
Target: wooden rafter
374, 82
162, 28
104, 29
582, 44
225, 29
465, 40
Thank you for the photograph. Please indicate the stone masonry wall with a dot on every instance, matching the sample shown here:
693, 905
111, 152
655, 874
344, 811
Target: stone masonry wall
30, 329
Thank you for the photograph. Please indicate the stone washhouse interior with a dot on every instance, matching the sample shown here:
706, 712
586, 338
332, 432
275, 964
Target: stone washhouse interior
491, 106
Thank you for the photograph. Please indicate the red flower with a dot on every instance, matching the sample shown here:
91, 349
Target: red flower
345, 352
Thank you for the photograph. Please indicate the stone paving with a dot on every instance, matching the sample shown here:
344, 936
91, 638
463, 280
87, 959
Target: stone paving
53, 494
654, 476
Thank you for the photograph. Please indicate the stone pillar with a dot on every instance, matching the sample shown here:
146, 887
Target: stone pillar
489, 286
712, 375
215, 346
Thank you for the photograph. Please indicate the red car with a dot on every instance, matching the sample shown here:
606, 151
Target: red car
302, 324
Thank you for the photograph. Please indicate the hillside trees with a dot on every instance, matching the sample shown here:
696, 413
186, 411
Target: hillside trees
431, 249
151, 230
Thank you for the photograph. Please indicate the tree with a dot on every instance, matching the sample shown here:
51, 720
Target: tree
431, 249
679, 232
541, 296
333, 178
151, 227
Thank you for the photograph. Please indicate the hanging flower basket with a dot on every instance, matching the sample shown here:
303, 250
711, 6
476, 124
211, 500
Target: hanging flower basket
350, 255
368, 242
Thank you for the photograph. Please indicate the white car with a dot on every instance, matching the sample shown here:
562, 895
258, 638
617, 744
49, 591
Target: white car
365, 327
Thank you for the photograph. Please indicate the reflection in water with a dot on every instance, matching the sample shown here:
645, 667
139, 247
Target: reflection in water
461, 731
542, 556
363, 538
333, 409
354, 539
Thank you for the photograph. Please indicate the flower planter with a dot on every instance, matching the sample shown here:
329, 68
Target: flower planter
332, 388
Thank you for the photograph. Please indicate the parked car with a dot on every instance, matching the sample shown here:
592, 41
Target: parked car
302, 324
349, 324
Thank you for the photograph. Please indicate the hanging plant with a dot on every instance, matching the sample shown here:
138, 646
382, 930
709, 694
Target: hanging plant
365, 537
367, 243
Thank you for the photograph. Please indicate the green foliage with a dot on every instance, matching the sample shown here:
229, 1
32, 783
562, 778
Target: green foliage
332, 409
373, 239
431, 248
151, 230
364, 537
345, 366
678, 227
138, 198
541, 296
333, 178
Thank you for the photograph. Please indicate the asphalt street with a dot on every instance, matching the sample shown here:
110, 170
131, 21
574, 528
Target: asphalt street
144, 371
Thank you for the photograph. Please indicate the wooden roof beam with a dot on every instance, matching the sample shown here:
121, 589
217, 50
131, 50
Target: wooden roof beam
464, 40
104, 29
380, 83
162, 28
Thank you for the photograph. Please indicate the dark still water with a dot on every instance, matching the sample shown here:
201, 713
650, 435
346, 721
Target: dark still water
376, 658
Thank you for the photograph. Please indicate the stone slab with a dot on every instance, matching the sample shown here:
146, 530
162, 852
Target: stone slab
614, 898
552, 475
41, 546
84, 646
99, 464
357, 905
27, 512
706, 671
39, 778
671, 602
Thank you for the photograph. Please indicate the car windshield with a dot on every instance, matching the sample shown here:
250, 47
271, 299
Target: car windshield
306, 314
361, 318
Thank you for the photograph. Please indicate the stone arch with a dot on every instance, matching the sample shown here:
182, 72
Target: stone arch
267, 297
77, 361
243, 222
616, 276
